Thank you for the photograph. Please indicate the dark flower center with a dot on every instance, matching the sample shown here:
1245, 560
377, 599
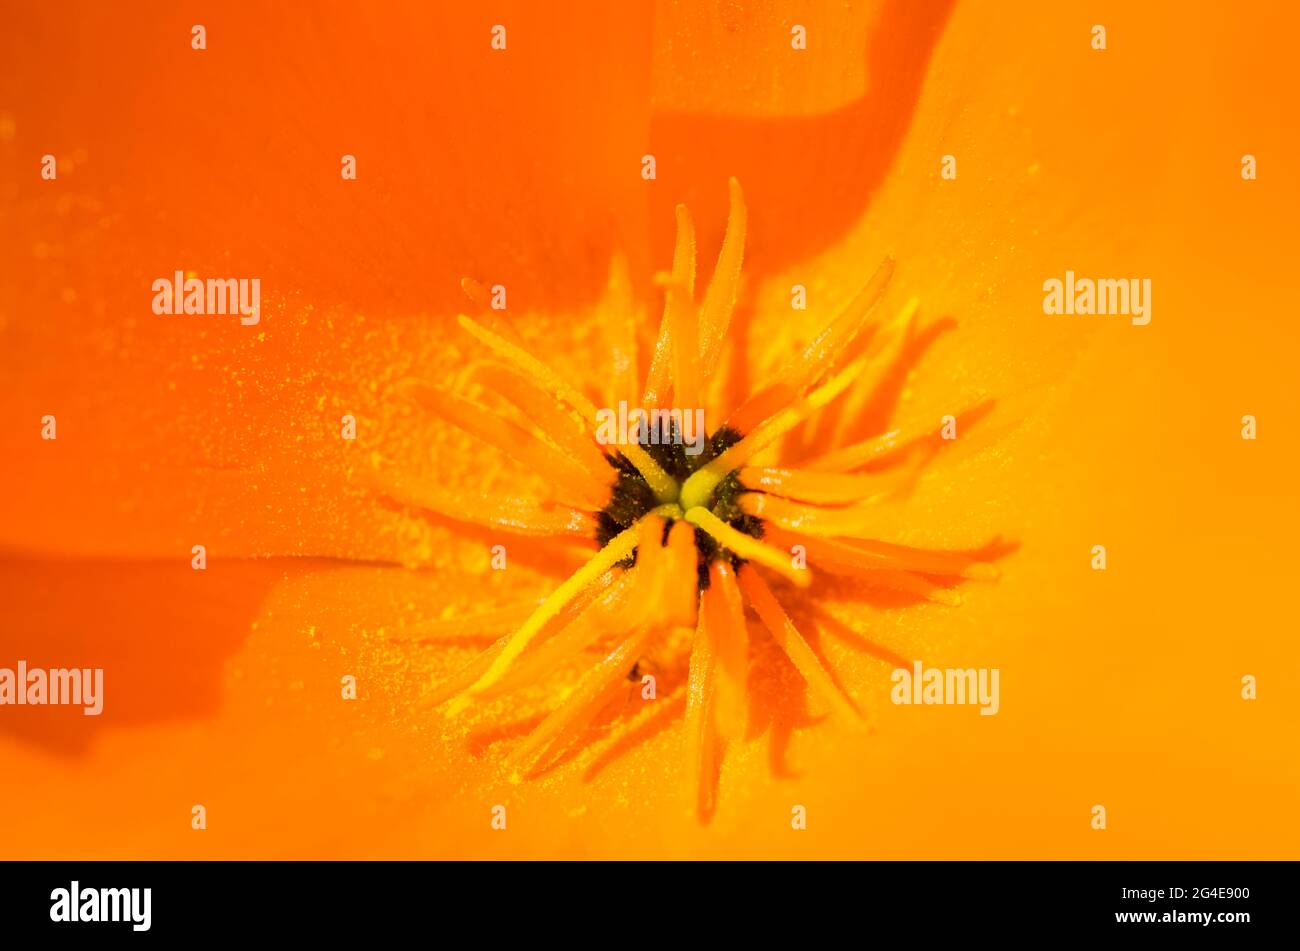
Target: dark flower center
632, 497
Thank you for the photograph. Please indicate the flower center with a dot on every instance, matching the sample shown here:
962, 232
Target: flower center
632, 498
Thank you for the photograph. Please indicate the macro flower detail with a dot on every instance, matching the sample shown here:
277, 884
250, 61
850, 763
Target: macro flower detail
685, 542
286, 543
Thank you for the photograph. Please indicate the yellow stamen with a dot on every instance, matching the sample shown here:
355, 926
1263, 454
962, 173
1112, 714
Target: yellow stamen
679, 314
661, 484
893, 442
872, 555
481, 297
531, 366
723, 613
520, 516
748, 547
618, 548
663, 576
829, 345
697, 489
831, 557
462, 678
679, 602
701, 734
623, 323
485, 623
822, 353
720, 297
883, 351
575, 486
796, 648
824, 488
597, 687
667, 349
556, 424
859, 453
846, 520
599, 618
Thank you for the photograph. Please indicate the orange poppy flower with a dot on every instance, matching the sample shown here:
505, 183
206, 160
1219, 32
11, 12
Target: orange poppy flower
523, 169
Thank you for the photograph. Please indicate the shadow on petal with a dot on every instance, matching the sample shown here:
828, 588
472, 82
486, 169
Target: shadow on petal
161, 632
808, 178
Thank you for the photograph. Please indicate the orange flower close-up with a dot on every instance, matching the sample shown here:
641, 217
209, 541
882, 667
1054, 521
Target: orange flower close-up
735, 429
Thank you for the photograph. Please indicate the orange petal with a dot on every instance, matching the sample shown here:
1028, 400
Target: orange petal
703, 752
723, 621
795, 647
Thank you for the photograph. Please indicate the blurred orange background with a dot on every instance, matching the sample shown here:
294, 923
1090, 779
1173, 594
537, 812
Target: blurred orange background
522, 166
